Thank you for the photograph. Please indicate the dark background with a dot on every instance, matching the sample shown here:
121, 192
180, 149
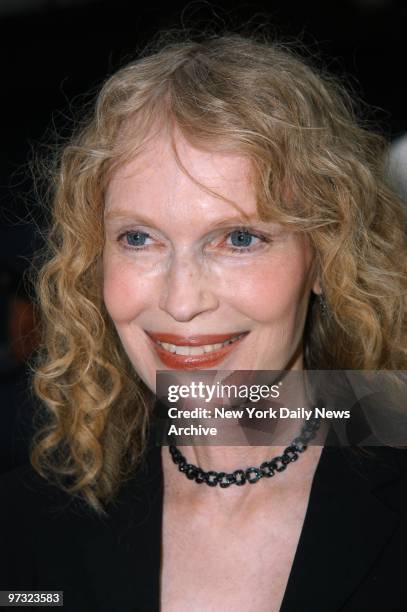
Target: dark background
54, 51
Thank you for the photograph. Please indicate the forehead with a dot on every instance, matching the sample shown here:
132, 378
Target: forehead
174, 177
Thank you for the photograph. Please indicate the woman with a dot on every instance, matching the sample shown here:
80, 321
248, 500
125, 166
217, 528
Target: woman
220, 209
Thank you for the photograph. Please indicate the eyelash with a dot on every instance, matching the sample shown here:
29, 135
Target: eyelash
239, 250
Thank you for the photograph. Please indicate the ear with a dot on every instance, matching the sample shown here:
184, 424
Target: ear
315, 276
316, 287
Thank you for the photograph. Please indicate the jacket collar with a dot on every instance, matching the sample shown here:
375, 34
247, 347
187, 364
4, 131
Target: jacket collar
122, 552
350, 517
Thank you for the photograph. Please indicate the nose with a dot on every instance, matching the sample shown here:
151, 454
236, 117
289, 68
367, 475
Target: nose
187, 291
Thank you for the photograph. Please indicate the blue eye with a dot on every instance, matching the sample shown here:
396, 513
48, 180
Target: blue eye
136, 239
241, 238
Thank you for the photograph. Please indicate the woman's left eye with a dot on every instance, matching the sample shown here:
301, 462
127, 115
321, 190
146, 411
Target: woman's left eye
242, 240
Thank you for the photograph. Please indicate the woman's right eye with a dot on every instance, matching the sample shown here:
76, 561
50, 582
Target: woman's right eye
134, 239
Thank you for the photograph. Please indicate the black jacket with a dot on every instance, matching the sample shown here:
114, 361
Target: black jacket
351, 554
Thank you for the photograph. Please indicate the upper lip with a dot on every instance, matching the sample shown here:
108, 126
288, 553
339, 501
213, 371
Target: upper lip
192, 340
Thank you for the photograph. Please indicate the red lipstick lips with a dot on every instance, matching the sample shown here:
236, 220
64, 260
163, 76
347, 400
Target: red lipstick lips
191, 362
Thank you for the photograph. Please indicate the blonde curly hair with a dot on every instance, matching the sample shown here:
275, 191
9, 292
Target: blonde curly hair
316, 169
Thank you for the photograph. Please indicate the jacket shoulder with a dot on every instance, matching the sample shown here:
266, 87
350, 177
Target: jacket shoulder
26, 496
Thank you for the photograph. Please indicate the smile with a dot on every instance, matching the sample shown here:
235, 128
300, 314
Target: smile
194, 352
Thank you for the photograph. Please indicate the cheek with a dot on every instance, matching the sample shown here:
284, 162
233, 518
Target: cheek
270, 290
125, 292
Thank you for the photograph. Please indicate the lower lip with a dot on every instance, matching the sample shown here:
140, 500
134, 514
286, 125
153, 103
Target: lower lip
195, 362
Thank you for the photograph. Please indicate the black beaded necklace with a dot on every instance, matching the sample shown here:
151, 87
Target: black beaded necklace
251, 474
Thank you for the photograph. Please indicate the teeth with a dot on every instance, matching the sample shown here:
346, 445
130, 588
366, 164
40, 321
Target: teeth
196, 350
182, 350
168, 347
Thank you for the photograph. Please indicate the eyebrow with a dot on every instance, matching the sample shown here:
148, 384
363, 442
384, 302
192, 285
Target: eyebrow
145, 220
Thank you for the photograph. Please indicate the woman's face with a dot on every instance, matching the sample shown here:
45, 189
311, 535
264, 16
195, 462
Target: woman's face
191, 284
